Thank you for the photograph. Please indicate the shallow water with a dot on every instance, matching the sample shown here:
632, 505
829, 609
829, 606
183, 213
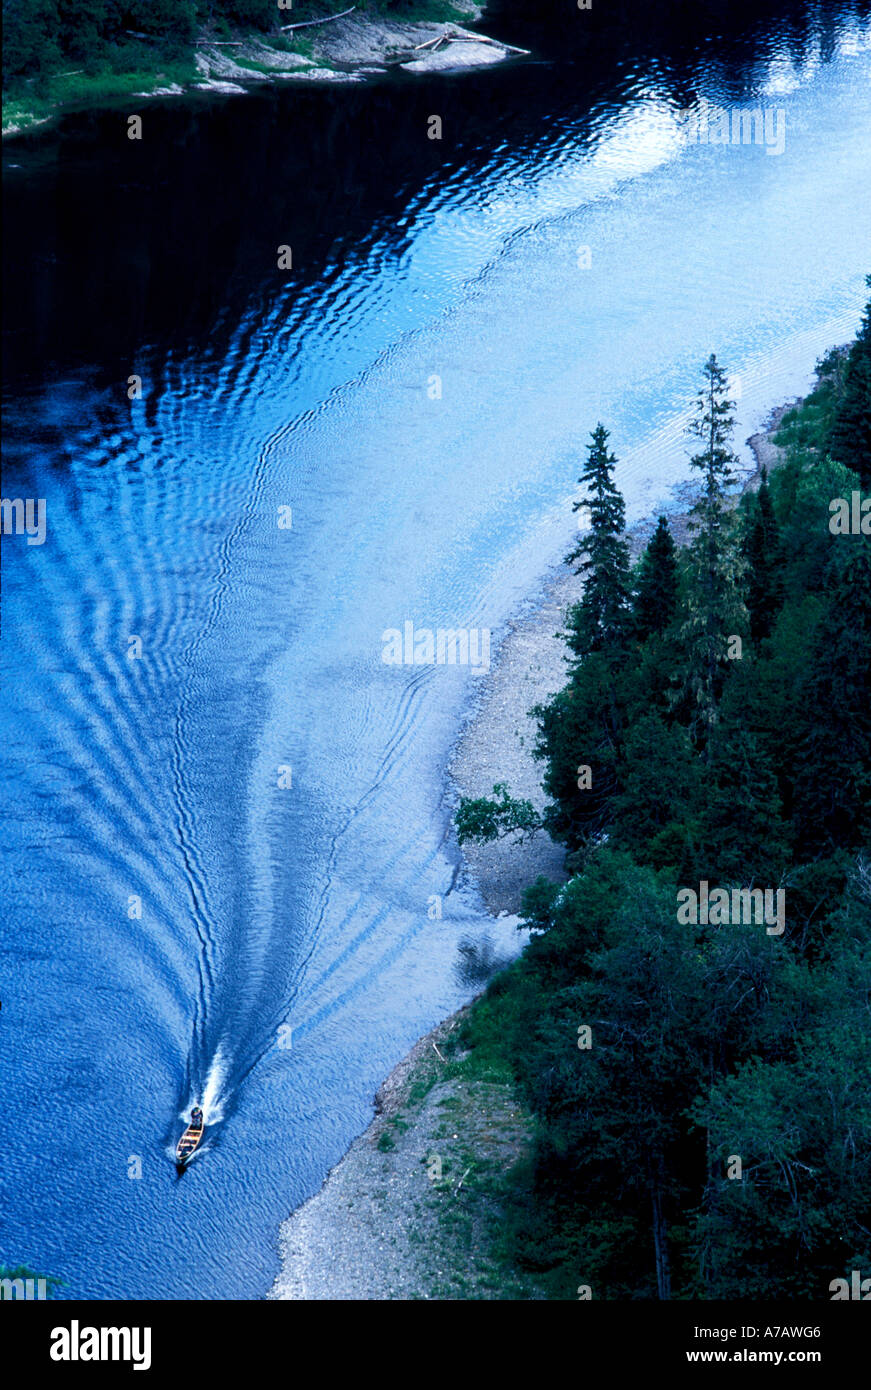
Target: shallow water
289, 949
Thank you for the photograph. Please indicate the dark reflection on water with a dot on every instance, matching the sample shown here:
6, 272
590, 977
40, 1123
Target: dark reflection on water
479, 960
175, 238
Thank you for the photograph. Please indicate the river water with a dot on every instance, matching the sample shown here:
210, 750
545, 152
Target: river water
228, 871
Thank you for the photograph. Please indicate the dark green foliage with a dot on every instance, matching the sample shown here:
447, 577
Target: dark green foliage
803, 489
655, 590
816, 893
705, 1044
850, 439
580, 728
743, 836
761, 550
170, 20
486, 819
835, 710
44, 36
599, 621
809, 426
658, 810
799, 1116
257, 14
31, 37
714, 610
85, 26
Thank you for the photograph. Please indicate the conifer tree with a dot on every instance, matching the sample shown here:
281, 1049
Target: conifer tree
655, 595
760, 550
599, 621
715, 608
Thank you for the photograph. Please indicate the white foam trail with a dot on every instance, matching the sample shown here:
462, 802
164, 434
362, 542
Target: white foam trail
214, 1096
213, 1091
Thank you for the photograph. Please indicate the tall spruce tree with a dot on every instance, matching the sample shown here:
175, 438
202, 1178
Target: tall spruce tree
715, 609
655, 593
599, 621
760, 549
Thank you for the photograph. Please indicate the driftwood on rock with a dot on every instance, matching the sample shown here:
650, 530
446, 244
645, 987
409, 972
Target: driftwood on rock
308, 23
431, 43
510, 47
451, 36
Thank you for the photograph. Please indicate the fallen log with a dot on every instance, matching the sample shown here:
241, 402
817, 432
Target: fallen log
453, 37
308, 23
497, 43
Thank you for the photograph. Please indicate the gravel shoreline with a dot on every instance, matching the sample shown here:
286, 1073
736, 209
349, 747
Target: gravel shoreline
378, 1229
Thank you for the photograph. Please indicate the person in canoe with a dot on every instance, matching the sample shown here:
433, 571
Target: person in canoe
189, 1141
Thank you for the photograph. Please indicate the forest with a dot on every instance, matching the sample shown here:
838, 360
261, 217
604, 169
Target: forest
701, 1091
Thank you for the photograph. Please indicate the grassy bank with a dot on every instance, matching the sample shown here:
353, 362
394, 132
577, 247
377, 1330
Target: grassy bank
460, 1102
26, 106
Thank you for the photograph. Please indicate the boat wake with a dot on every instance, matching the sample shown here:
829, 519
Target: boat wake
211, 1097
215, 1092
